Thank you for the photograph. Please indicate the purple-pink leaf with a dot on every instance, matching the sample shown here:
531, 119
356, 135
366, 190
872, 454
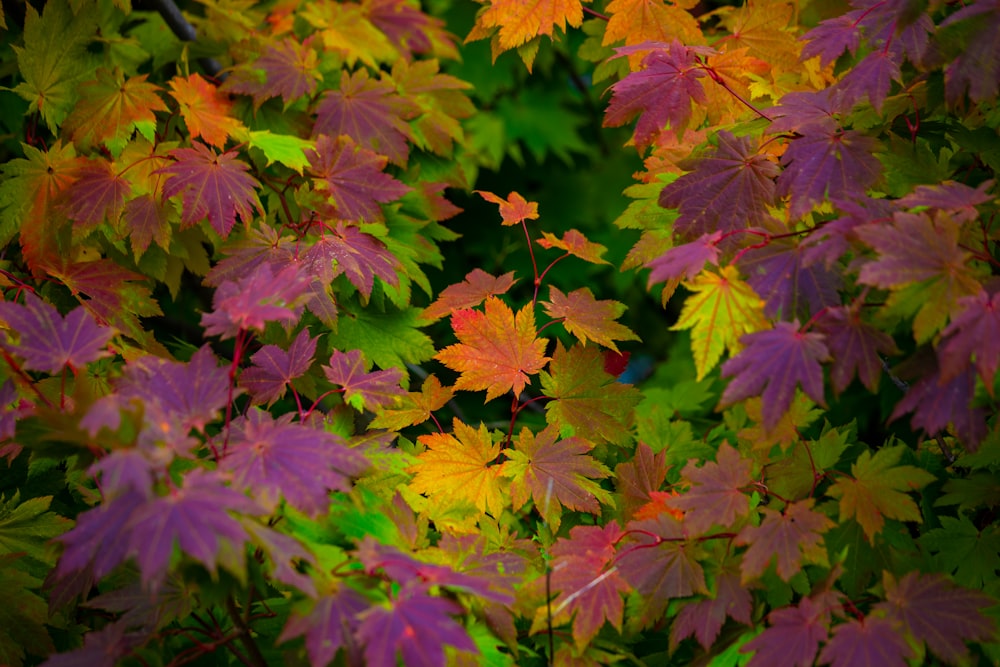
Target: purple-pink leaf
360, 256
685, 262
833, 36
855, 347
793, 637
957, 198
353, 177
361, 388
274, 369
790, 287
48, 342
704, 618
273, 459
253, 301
788, 538
327, 625
974, 332
771, 366
872, 642
871, 78
805, 109
716, 496
936, 404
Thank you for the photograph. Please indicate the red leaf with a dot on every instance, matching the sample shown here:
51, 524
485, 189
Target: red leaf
793, 637
360, 256
974, 332
469, 293
771, 366
213, 185
514, 210
730, 188
704, 618
855, 347
576, 244
790, 537
98, 195
375, 389
716, 497
147, 220
874, 642
913, 248
685, 262
636, 479
353, 177
273, 368
205, 109
290, 68
660, 93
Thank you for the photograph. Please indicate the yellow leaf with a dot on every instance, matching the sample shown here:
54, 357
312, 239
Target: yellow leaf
722, 309
637, 21
520, 21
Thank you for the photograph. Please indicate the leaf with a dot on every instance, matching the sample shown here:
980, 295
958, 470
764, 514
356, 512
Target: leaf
520, 22
252, 301
659, 564
556, 473
273, 459
98, 195
576, 244
112, 108
789, 284
587, 318
469, 293
972, 336
721, 309
590, 588
716, 496
284, 148
27, 527
360, 256
685, 261
855, 346
659, 94
826, 164
23, 615
273, 368
415, 625
771, 366
497, 350
206, 110
388, 338
213, 186
873, 642
326, 624
971, 554
48, 342
514, 210
877, 488
353, 178
637, 21
937, 404
363, 389
586, 400
460, 467
371, 112
290, 69
793, 637
730, 188
936, 611
415, 407
704, 618
790, 537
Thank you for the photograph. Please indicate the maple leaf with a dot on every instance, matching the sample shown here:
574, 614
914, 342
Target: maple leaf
371, 113
213, 186
206, 110
958, 199
936, 404
969, 552
111, 108
47, 341
791, 286
792, 638
275, 458
721, 309
855, 347
521, 21
284, 148
873, 642
514, 210
576, 244
590, 590
585, 398
793, 358
974, 70
359, 255
469, 293
730, 188
273, 368
685, 261
659, 93
637, 21
361, 388
813, 109
877, 489
704, 618
26, 528
415, 407
353, 177
871, 78
498, 350
440, 99
936, 611
291, 72
252, 301
973, 333
827, 163
326, 624
556, 473
716, 496
460, 467
659, 564
764, 30
416, 625
97, 195
833, 36
587, 318
23, 617
789, 537
636, 479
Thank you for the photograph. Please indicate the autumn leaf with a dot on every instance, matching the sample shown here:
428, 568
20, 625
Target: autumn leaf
877, 489
206, 110
720, 311
587, 318
716, 496
514, 210
576, 244
274, 369
354, 178
637, 21
497, 350
869, 642
704, 618
793, 636
469, 293
520, 21
788, 538
461, 467
363, 389
415, 407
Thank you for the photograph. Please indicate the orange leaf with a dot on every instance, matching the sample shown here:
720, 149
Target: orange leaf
520, 21
497, 352
587, 318
514, 210
637, 21
205, 109
575, 244
460, 468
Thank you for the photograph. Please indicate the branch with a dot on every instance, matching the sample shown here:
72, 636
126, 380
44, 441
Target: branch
185, 31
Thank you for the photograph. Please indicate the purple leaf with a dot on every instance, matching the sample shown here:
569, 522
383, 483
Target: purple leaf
793, 637
870, 78
99, 542
829, 242
855, 347
273, 368
832, 37
913, 248
47, 342
815, 109
873, 642
790, 288
974, 332
772, 364
935, 404
685, 261
328, 625
360, 256
271, 459
704, 618
101, 648
253, 301
363, 389
957, 198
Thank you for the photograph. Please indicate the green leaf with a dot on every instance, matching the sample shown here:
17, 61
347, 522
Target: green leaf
973, 555
389, 338
26, 527
23, 615
283, 148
